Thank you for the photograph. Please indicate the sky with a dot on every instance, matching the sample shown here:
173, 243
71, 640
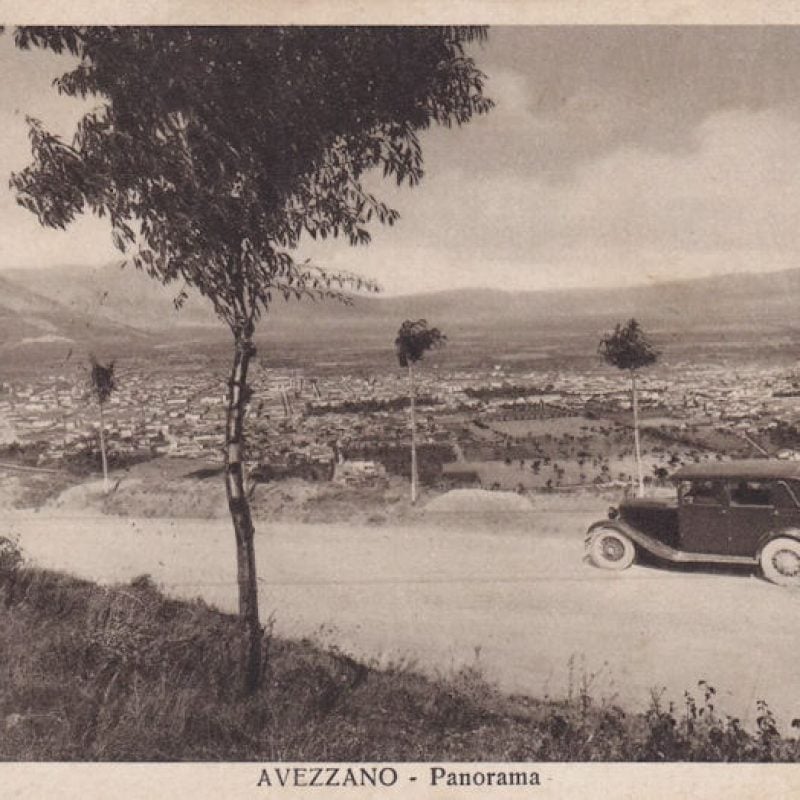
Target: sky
614, 156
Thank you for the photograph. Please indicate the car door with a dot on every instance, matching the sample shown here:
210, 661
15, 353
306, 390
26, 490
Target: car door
756, 508
703, 516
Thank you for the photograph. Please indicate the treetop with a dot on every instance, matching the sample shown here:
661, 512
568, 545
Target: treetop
414, 339
628, 347
212, 150
102, 378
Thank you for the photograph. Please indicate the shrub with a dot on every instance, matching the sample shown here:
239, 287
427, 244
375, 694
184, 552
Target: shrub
10, 556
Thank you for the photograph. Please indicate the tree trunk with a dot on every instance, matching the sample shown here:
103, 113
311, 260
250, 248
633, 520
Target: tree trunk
240, 513
413, 398
103, 456
637, 446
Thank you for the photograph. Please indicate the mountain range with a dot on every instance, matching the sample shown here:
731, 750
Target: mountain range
86, 305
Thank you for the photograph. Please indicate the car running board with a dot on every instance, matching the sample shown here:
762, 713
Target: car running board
667, 553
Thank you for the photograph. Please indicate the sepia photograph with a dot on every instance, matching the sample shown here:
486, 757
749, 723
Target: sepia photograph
388, 395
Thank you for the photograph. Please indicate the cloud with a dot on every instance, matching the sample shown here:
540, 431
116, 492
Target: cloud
510, 91
613, 156
740, 188
731, 203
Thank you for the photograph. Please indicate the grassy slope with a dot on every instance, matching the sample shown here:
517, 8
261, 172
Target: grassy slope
123, 673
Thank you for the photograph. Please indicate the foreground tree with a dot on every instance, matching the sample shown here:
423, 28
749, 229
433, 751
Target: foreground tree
213, 150
103, 385
414, 339
628, 348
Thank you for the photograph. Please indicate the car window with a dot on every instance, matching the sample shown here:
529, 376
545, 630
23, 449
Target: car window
789, 493
702, 493
751, 493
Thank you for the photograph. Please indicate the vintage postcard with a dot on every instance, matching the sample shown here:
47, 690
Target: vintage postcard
391, 405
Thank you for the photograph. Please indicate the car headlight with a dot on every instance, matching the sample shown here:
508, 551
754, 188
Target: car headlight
613, 512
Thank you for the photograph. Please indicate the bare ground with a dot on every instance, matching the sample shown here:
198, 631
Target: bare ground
181, 488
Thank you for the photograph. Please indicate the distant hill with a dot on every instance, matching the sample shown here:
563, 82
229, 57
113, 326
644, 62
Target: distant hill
111, 293
30, 317
108, 301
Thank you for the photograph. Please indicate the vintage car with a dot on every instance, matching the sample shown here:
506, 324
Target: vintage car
728, 513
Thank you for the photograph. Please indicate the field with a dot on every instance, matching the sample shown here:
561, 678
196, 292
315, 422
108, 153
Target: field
533, 455
519, 475
661, 422
558, 426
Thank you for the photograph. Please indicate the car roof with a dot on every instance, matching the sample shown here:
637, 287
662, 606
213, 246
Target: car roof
757, 468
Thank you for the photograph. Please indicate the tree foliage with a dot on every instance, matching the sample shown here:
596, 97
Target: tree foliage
414, 339
102, 379
627, 347
213, 150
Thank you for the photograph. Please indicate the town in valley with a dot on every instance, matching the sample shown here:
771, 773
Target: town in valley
498, 426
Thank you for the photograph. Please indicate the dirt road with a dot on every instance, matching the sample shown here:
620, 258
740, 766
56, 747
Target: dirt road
521, 602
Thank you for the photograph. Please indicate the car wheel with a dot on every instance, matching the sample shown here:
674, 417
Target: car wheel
611, 549
780, 562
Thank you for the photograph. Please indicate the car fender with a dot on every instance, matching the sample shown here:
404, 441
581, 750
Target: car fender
782, 533
637, 537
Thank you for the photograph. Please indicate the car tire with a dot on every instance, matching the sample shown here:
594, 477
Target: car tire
780, 561
609, 548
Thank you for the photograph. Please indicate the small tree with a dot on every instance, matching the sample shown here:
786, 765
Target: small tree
414, 339
103, 385
627, 347
213, 151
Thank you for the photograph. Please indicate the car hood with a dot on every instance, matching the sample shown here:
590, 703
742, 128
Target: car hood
656, 518
647, 503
